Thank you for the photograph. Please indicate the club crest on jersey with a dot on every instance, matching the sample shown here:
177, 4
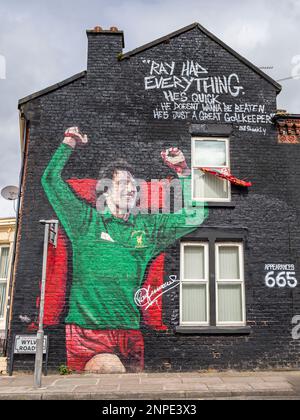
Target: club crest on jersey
138, 238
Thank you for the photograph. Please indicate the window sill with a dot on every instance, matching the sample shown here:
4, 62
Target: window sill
214, 330
218, 204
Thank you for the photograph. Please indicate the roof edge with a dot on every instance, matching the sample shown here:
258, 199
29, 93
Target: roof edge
243, 59
286, 116
52, 88
179, 32
158, 41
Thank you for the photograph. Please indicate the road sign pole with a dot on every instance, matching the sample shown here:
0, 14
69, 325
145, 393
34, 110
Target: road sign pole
40, 334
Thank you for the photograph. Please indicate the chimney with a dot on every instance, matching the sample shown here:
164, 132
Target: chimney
104, 49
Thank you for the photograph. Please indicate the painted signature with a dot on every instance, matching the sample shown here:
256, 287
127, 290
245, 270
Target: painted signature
144, 298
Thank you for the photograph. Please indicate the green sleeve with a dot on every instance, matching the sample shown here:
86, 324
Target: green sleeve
170, 227
71, 211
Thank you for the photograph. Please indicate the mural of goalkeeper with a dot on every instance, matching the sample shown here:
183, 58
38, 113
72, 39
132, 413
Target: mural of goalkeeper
111, 251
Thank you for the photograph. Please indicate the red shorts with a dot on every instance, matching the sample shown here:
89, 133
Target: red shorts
82, 345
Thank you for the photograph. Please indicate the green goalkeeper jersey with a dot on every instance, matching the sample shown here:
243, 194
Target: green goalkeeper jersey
110, 255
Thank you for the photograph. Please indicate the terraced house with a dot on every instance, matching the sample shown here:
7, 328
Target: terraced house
174, 180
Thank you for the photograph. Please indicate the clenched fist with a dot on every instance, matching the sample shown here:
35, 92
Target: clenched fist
73, 137
175, 159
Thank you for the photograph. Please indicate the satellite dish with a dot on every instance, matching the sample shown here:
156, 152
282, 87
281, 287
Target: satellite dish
10, 193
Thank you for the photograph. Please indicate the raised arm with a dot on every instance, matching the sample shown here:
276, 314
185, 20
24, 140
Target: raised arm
194, 212
170, 227
72, 212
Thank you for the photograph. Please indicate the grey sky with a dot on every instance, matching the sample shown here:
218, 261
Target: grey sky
44, 42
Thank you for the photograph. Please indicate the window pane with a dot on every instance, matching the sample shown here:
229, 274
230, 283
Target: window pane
229, 262
230, 303
209, 187
194, 263
210, 153
194, 303
2, 299
4, 262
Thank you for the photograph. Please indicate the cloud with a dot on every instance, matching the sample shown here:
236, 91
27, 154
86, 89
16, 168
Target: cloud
249, 35
44, 42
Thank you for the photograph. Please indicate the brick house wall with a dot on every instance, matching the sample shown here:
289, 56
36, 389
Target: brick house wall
122, 119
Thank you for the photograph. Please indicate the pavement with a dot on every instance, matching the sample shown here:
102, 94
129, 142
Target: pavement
155, 386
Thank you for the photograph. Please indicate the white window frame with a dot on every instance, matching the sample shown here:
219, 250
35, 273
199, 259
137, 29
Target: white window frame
204, 281
212, 200
5, 280
240, 281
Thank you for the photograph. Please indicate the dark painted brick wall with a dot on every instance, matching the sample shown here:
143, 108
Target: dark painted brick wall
111, 105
